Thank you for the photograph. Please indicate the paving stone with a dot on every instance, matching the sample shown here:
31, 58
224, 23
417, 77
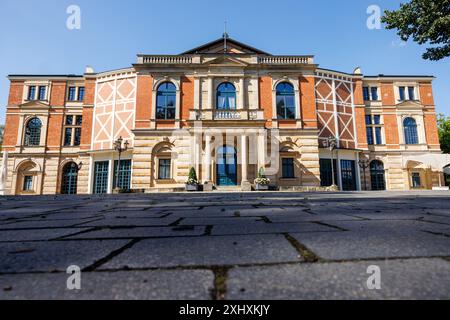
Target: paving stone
37, 234
204, 221
205, 251
264, 228
133, 285
359, 245
130, 222
403, 279
53, 255
44, 223
141, 232
310, 217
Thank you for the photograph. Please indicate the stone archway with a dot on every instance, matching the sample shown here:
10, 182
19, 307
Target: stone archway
28, 177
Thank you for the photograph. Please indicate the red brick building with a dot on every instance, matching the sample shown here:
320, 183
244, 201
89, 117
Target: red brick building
226, 109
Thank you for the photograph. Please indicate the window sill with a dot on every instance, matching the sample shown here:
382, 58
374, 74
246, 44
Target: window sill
165, 181
288, 179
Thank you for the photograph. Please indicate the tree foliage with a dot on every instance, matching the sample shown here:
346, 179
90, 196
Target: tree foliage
426, 22
444, 132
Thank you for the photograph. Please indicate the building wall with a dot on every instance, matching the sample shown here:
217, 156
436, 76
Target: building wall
122, 104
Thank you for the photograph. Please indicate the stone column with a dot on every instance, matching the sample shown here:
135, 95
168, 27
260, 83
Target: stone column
241, 102
208, 185
245, 184
210, 93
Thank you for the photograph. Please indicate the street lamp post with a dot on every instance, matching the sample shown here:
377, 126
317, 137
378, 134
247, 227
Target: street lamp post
118, 147
364, 164
331, 143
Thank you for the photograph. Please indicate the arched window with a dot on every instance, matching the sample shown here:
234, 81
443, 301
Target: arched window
226, 97
69, 178
377, 175
285, 101
33, 132
410, 128
166, 101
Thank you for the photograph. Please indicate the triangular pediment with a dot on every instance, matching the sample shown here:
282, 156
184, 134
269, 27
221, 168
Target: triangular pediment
34, 104
228, 46
226, 61
409, 104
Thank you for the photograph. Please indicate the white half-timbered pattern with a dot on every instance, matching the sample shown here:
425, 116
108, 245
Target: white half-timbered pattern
114, 113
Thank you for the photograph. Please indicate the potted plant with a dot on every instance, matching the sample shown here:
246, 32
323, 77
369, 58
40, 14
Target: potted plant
262, 182
192, 182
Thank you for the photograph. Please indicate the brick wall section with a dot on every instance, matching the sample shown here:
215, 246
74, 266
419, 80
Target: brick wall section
426, 94
265, 98
88, 113
430, 119
54, 131
308, 101
187, 97
390, 120
431, 131
12, 121
15, 93
11, 131
143, 101
360, 114
387, 94
58, 93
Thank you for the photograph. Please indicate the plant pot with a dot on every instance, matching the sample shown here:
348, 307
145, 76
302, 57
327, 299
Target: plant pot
262, 187
191, 187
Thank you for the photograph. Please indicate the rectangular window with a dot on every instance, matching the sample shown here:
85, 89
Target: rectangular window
77, 138
72, 130
368, 120
101, 170
27, 183
80, 93
377, 119
378, 138
288, 168
326, 175
411, 93
42, 91
374, 92
68, 137
124, 181
72, 91
348, 175
369, 133
402, 93
32, 93
416, 183
164, 169
69, 120
366, 93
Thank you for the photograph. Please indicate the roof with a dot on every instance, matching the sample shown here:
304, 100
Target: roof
230, 41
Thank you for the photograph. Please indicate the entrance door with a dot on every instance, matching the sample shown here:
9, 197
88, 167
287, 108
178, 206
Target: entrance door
226, 167
377, 175
348, 174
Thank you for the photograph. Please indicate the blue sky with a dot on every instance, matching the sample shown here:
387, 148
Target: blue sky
34, 38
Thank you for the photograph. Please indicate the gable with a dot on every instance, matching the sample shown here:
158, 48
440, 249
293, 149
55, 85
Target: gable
218, 46
226, 62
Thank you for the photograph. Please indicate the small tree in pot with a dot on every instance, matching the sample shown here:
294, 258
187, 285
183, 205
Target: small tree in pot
262, 182
192, 182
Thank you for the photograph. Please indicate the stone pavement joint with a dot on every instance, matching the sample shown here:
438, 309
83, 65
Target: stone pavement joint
304, 252
111, 255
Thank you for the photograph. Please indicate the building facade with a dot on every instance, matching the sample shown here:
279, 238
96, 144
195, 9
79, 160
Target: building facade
227, 110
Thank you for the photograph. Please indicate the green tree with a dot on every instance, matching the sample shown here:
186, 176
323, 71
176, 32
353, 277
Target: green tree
444, 132
426, 22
